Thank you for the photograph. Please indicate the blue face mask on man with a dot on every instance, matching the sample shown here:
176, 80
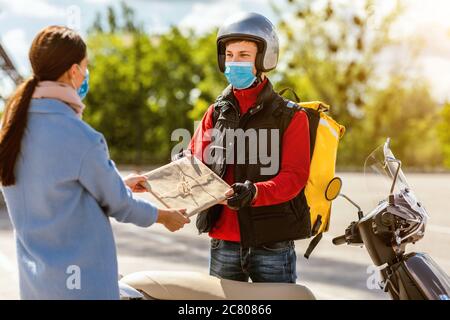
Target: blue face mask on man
240, 74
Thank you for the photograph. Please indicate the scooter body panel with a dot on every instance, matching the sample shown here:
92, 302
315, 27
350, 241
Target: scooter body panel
379, 251
433, 282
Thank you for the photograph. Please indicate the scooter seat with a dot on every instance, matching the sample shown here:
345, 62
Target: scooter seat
176, 285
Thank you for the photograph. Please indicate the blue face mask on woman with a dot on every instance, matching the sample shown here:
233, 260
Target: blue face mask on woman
240, 74
84, 88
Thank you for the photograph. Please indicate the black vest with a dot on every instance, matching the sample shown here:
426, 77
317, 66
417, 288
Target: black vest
269, 119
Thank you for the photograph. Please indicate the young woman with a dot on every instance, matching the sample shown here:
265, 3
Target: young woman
59, 184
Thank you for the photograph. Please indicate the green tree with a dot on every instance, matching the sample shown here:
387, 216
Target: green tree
118, 103
406, 112
330, 52
444, 133
143, 87
211, 80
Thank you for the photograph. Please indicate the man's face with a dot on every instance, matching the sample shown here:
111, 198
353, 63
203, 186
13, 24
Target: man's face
241, 51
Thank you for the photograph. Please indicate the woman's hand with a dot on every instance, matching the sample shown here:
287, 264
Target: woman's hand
172, 219
135, 182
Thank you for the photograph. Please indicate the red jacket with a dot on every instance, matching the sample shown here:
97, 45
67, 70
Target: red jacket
294, 171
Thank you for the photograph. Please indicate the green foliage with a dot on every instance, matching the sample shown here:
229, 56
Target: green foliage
330, 52
406, 113
144, 86
444, 133
118, 104
212, 81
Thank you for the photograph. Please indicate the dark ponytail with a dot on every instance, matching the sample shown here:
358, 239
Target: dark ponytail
54, 50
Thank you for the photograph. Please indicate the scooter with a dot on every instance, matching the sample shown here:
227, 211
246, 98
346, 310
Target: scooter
396, 221
384, 232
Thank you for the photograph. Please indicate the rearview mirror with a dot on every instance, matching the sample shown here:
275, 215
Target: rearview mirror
333, 189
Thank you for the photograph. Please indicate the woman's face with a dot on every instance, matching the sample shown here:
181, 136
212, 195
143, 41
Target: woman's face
242, 51
77, 72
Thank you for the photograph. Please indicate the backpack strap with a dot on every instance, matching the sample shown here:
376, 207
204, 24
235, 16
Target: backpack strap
216, 110
215, 115
313, 244
283, 91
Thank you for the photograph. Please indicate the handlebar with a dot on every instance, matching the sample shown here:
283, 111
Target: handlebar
339, 240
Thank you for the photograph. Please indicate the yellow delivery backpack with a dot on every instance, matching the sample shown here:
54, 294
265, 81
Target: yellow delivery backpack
325, 134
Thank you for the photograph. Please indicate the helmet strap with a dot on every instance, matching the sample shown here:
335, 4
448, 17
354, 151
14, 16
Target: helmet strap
259, 76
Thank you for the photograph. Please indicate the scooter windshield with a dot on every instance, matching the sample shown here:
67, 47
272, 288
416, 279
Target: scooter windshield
380, 169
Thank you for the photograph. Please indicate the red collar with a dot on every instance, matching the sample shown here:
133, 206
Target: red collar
247, 97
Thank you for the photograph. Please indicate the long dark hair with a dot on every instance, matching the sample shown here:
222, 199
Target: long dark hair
53, 51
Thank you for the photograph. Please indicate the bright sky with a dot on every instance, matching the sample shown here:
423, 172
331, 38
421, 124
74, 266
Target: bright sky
20, 20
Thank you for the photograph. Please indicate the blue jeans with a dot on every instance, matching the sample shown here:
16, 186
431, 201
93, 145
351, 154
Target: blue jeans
270, 263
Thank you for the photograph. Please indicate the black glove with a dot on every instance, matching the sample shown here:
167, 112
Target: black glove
243, 195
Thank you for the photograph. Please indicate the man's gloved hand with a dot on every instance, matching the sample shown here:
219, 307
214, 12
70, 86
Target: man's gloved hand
244, 194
